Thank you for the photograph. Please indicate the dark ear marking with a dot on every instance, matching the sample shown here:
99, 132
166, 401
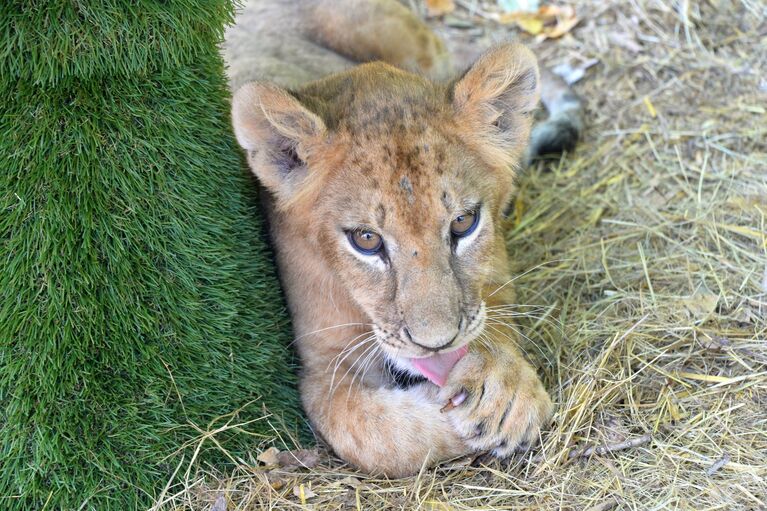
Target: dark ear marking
286, 160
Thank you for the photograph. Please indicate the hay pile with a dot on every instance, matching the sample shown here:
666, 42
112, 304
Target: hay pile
644, 255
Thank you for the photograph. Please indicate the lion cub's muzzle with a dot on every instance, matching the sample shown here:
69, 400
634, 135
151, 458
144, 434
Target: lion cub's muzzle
426, 341
432, 345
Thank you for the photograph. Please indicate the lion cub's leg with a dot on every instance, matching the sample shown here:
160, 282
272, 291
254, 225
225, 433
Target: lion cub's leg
367, 30
381, 430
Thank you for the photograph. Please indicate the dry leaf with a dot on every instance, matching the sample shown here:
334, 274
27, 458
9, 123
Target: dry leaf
718, 464
563, 26
611, 428
530, 24
572, 74
303, 492
552, 11
702, 303
278, 479
606, 505
625, 40
462, 462
436, 505
548, 22
519, 5
304, 458
352, 482
439, 7
219, 504
269, 456
715, 343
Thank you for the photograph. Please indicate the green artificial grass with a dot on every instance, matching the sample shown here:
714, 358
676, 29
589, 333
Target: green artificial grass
138, 298
48, 42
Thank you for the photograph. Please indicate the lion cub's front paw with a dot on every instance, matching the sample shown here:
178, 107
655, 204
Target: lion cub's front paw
505, 403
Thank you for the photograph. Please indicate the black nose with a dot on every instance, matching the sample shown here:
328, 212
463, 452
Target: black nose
449, 343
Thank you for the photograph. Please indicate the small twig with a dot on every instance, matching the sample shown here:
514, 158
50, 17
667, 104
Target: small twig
718, 464
604, 449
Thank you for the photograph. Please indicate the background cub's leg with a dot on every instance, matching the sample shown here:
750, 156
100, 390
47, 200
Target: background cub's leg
367, 30
380, 430
563, 127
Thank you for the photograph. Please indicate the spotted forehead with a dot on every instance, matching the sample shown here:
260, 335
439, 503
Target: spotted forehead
414, 178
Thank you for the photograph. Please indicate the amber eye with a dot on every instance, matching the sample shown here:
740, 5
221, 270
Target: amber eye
366, 242
464, 224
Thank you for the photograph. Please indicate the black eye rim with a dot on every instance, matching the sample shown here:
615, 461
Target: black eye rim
350, 236
471, 229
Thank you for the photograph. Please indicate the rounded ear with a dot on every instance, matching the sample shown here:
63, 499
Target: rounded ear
495, 100
278, 133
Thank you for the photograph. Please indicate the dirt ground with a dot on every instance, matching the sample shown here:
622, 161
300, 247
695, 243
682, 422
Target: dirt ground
642, 263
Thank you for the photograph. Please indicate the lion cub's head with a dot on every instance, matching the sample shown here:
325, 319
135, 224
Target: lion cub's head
398, 185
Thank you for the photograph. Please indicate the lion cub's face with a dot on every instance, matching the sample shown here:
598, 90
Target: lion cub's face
407, 223
399, 184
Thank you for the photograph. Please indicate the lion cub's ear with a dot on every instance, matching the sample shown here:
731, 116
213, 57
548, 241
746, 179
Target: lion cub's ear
278, 133
495, 100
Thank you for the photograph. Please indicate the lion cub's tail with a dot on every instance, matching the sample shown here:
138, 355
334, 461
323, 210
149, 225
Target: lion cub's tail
562, 128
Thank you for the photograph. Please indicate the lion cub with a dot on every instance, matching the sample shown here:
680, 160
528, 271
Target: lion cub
387, 192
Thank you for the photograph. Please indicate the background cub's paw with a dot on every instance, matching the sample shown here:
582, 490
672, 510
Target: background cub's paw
505, 406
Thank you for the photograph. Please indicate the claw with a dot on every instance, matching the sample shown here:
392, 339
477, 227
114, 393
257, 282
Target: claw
454, 401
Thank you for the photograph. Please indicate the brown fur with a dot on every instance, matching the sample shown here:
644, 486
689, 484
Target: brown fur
380, 148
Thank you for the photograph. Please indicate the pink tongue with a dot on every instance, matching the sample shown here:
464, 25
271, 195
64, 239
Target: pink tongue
437, 367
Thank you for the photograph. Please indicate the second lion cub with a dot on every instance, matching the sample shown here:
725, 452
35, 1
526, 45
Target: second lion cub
387, 184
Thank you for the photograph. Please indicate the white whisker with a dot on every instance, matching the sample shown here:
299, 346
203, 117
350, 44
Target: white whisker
351, 366
348, 349
504, 318
366, 364
516, 342
523, 274
328, 328
341, 361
